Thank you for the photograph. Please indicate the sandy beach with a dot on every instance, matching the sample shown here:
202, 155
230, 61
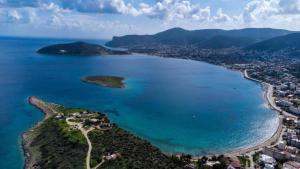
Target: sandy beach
276, 137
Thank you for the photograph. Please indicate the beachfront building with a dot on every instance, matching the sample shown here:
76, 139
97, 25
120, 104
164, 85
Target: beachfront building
234, 165
295, 143
275, 153
284, 103
282, 145
291, 165
266, 161
294, 110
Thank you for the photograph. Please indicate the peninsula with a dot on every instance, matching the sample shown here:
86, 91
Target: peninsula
106, 81
79, 49
81, 139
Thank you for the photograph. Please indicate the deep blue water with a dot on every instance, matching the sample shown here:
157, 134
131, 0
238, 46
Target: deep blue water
178, 105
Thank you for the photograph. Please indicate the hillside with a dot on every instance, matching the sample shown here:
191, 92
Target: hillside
218, 42
202, 38
81, 139
290, 41
79, 48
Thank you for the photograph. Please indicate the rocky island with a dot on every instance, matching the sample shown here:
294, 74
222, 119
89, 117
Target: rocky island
81, 139
79, 49
106, 81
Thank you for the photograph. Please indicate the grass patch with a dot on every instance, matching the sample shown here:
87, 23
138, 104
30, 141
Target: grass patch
108, 81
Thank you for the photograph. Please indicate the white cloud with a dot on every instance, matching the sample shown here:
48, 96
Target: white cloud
259, 10
162, 9
17, 16
117, 17
221, 16
289, 6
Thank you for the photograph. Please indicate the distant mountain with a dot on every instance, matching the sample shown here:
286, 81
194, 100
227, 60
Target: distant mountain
79, 48
219, 42
290, 41
208, 38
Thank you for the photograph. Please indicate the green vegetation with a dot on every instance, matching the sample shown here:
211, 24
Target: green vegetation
108, 81
59, 146
221, 162
205, 38
57, 143
135, 153
244, 161
79, 49
67, 111
255, 157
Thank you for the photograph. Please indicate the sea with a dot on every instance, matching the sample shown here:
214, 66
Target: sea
180, 106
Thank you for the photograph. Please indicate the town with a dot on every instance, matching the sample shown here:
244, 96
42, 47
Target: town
278, 73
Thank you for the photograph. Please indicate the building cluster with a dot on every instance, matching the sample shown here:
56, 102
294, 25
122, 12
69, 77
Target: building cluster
86, 119
286, 153
286, 92
286, 86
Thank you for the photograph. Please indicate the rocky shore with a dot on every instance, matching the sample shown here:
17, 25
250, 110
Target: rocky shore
28, 135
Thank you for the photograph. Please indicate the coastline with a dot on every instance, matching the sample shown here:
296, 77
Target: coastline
276, 137
26, 136
268, 95
125, 143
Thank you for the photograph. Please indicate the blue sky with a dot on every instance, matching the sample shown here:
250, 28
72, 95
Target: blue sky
107, 18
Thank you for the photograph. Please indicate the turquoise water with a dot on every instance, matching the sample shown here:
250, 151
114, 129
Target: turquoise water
177, 105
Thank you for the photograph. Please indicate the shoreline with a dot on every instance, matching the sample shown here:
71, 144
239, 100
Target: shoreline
267, 94
26, 141
105, 81
277, 135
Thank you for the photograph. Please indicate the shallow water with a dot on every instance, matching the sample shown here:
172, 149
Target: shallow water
177, 105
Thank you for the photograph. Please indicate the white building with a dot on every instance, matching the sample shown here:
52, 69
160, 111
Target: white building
267, 160
295, 110
284, 103
295, 143
282, 145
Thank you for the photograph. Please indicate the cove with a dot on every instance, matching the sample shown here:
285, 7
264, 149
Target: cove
178, 105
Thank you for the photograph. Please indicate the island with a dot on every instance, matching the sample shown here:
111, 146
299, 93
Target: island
106, 81
80, 49
81, 139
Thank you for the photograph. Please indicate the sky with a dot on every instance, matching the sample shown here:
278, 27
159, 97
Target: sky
107, 18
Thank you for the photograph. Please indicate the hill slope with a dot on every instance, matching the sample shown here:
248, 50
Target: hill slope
178, 36
79, 48
290, 41
58, 142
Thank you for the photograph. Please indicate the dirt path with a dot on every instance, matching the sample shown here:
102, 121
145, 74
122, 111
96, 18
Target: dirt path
90, 147
88, 154
97, 166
